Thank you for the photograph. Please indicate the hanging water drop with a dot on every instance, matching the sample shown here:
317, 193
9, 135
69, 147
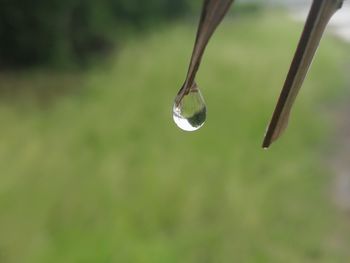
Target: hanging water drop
190, 112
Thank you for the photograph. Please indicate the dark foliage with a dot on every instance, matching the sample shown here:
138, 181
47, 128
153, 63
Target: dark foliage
40, 31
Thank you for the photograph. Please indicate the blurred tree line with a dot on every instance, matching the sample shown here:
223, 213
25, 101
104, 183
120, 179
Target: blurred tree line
61, 31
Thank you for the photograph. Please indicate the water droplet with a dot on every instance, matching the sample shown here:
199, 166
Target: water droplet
189, 114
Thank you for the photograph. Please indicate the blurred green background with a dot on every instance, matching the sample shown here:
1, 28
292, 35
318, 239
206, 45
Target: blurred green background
92, 168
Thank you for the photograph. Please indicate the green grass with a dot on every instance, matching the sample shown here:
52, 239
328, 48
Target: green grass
101, 174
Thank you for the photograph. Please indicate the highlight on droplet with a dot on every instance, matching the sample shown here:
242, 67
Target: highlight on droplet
190, 113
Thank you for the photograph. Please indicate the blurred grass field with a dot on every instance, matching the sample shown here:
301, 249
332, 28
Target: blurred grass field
94, 170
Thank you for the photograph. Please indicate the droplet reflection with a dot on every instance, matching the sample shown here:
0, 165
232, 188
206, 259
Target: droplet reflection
190, 113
